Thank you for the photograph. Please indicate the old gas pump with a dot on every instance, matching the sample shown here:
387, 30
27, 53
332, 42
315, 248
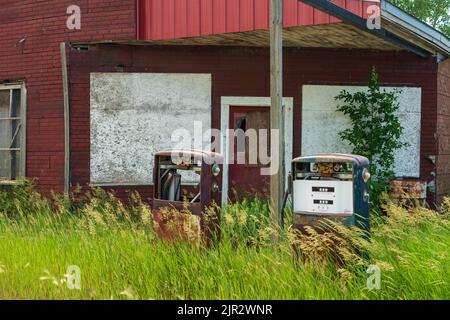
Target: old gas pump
187, 180
330, 186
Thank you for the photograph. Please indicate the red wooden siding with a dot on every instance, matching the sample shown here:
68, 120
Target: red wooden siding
169, 19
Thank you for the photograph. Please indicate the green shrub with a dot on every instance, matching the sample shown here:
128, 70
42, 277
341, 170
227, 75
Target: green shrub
375, 131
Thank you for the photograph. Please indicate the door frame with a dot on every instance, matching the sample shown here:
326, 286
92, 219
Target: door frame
226, 103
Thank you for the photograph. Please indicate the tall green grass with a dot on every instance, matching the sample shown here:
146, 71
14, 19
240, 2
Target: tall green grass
121, 258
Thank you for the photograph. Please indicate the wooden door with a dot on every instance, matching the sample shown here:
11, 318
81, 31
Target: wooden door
245, 178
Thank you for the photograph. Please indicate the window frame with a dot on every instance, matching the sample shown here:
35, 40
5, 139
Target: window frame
23, 121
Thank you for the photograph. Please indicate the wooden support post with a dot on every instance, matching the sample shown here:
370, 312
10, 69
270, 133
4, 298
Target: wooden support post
276, 110
65, 78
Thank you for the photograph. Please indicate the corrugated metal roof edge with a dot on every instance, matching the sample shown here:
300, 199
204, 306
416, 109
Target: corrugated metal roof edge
416, 27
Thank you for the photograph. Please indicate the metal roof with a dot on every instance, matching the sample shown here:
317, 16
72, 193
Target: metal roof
416, 28
308, 23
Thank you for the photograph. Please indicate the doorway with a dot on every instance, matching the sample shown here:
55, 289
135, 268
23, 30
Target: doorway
245, 179
226, 104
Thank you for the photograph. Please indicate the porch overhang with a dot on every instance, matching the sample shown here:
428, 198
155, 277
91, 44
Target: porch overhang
335, 35
397, 27
408, 27
307, 24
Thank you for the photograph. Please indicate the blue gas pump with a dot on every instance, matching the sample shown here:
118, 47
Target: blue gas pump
333, 187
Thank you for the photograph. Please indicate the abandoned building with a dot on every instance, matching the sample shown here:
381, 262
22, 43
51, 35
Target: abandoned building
90, 104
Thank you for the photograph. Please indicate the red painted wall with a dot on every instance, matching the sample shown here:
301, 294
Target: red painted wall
443, 130
236, 71
37, 61
168, 19
245, 72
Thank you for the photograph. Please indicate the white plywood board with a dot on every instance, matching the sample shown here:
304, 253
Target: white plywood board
321, 124
133, 115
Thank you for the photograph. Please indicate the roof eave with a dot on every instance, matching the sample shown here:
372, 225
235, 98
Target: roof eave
416, 28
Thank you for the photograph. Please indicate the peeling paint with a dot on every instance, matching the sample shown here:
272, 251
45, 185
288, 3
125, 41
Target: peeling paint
133, 116
321, 124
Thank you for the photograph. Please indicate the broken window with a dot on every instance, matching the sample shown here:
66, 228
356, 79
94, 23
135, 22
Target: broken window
12, 139
252, 126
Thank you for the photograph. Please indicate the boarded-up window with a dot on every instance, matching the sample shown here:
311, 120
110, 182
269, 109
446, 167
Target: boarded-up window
12, 104
134, 115
321, 124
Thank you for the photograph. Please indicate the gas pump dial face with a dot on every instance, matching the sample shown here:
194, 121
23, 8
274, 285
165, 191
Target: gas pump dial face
327, 168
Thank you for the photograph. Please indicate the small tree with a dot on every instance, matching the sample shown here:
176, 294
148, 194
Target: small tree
375, 131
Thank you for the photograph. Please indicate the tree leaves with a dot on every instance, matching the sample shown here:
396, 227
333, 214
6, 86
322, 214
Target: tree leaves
434, 12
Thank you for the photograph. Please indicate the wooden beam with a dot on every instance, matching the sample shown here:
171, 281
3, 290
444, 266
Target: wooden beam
276, 110
65, 77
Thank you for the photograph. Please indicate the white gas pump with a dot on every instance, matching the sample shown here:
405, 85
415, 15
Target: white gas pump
330, 186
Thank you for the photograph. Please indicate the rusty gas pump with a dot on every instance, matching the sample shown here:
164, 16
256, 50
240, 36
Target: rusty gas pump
332, 187
187, 195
